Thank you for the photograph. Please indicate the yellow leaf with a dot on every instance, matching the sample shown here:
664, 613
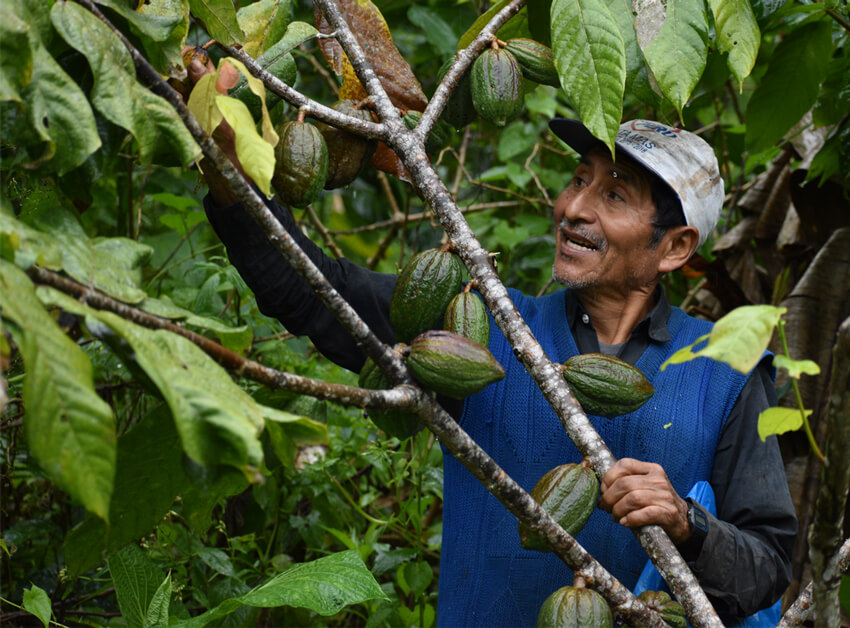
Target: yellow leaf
257, 87
255, 154
202, 103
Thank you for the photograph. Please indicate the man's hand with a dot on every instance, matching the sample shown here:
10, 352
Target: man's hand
639, 493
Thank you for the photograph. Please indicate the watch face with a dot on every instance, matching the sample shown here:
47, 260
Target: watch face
698, 521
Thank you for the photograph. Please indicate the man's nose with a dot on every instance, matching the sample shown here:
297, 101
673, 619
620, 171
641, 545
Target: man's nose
578, 205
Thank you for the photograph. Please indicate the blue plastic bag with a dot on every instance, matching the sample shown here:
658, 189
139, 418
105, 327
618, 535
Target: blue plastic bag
651, 580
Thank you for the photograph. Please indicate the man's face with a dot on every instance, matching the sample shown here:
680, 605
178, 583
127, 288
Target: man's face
604, 225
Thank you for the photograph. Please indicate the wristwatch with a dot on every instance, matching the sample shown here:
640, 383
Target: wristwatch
698, 522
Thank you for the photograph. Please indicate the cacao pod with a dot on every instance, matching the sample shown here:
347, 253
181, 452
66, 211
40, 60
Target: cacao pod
440, 132
535, 60
605, 385
452, 365
671, 611
459, 110
496, 82
347, 153
466, 315
301, 163
394, 422
575, 607
569, 493
423, 291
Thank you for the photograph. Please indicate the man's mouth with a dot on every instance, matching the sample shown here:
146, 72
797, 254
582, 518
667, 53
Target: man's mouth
576, 241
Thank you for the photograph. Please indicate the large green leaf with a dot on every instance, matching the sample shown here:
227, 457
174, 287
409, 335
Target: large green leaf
678, 54
790, 86
591, 60
264, 23
121, 99
137, 581
739, 339
637, 76
738, 34
436, 30
219, 17
162, 26
113, 265
30, 246
324, 586
149, 463
15, 54
69, 428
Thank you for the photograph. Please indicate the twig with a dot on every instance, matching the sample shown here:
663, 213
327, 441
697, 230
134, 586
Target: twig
401, 218
534, 176
323, 231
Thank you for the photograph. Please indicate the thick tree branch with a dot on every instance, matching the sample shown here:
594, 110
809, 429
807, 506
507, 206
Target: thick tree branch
428, 183
799, 611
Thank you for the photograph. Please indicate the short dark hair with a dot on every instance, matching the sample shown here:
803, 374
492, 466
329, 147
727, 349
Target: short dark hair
668, 207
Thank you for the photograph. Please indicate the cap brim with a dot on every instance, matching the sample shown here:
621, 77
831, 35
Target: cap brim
575, 134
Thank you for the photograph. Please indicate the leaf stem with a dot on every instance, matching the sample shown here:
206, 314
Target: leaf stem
780, 328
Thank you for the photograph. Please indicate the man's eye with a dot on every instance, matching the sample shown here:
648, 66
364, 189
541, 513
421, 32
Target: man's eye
615, 197
578, 181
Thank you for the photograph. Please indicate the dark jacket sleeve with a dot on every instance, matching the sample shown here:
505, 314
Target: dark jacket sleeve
744, 564
283, 295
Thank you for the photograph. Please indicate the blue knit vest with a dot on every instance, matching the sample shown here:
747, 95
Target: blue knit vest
486, 578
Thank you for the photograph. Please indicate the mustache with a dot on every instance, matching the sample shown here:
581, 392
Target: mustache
582, 231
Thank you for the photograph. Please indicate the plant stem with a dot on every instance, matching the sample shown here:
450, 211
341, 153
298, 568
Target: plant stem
806, 427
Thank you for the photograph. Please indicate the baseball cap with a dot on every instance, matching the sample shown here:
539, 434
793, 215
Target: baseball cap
681, 159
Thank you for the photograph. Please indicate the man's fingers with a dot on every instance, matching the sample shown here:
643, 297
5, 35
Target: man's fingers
228, 77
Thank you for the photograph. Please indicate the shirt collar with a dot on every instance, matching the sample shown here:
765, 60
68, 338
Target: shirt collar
653, 325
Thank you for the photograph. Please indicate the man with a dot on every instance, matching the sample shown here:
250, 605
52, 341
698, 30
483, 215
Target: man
620, 226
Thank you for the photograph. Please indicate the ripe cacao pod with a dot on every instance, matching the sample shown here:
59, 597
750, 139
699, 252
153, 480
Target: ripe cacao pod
496, 82
605, 385
440, 132
279, 62
535, 60
575, 607
452, 365
347, 153
423, 291
394, 422
466, 315
671, 611
569, 493
459, 110
301, 163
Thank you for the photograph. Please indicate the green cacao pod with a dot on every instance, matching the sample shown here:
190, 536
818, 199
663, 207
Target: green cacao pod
347, 153
569, 493
605, 385
279, 62
535, 60
575, 607
452, 365
394, 422
496, 82
466, 315
440, 133
423, 291
459, 110
301, 163
671, 611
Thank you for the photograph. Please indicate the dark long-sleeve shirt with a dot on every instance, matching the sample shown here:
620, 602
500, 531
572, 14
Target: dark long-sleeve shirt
744, 562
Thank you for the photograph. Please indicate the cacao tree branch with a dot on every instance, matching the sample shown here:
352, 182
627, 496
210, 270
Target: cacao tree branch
243, 367
429, 185
799, 611
826, 530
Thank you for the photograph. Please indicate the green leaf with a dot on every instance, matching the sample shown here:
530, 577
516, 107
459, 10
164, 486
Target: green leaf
69, 428
637, 76
678, 53
264, 23
113, 265
31, 246
149, 462
324, 586
591, 60
790, 86
137, 581
216, 560
739, 339
16, 63
834, 99
779, 421
162, 26
38, 603
157, 613
738, 34
480, 23
418, 576
219, 17
438, 33
796, 368
287, 432
116, 94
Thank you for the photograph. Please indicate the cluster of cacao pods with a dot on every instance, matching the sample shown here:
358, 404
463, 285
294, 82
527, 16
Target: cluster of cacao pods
493, 87
577, 606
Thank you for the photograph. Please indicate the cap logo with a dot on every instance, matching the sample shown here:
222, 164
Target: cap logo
654, 127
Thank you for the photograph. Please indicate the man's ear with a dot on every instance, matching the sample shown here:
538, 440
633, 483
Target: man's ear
678, 244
